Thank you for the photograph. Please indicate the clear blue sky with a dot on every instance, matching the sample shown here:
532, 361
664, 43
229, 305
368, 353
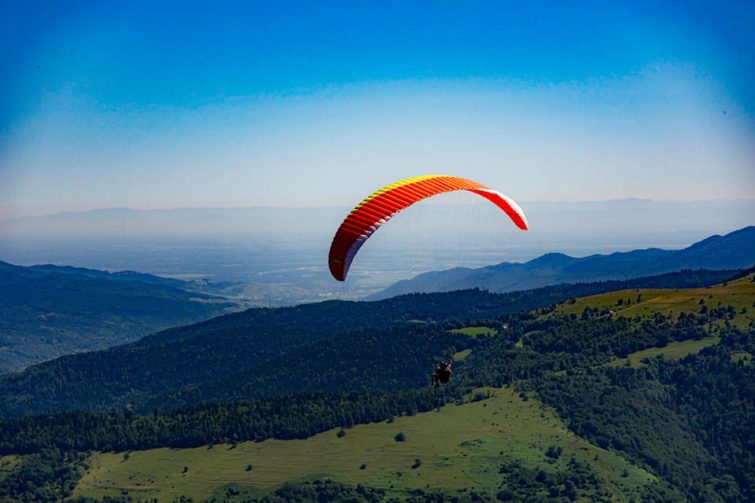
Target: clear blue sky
171, 104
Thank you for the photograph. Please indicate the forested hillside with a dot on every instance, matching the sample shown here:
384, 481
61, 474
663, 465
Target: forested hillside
229, 356
47, 311
686, 422
690, 421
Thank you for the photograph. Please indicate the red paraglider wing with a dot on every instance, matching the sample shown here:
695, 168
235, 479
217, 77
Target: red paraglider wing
379, 207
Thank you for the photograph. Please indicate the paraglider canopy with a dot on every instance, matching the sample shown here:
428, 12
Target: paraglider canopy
379, 207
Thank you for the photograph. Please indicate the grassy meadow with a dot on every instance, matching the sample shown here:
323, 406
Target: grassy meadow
7, 465
455, 447
739, 294
475, 332
672, 351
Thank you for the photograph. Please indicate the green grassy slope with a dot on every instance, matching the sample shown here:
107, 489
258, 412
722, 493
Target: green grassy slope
7, 465
645, 303
460, 446
739, 294
672, 351
475, 332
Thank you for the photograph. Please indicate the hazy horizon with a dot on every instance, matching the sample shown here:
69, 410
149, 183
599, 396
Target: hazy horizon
345, 207
283, 251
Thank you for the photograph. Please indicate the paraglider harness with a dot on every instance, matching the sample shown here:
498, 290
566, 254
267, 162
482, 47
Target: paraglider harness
442, 372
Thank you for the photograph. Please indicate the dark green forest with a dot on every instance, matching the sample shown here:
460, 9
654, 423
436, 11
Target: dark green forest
188, 365
690, 421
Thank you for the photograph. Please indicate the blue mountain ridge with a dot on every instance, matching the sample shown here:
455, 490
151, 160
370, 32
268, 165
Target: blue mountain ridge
735, 250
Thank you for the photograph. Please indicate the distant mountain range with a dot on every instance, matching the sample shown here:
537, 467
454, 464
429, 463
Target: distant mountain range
47, 310
732, 251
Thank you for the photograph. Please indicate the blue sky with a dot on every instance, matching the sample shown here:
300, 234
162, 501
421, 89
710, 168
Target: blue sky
175, 104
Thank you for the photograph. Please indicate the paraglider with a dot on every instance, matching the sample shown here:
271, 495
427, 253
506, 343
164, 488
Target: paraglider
379, 207
442, 373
